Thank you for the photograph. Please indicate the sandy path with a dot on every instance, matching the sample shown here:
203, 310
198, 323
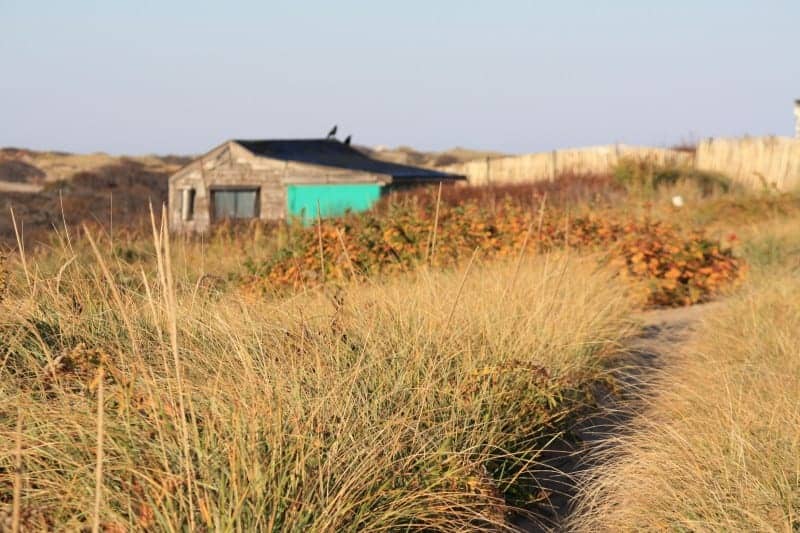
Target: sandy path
663, 333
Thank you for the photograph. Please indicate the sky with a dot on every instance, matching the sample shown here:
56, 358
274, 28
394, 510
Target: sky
136, 77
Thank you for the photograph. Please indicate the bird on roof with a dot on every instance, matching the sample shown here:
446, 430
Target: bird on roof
332, 133
348, 139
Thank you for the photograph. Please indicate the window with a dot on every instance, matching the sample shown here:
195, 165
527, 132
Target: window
235, 203
187, 204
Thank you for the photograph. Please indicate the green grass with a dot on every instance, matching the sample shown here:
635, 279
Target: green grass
645, 177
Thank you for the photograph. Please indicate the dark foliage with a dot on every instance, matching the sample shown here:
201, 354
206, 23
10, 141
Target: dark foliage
565, 189
118, 194
20, 171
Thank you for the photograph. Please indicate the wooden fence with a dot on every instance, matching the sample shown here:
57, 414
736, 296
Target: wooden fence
751, 161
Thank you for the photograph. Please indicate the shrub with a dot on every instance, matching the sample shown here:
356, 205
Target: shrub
566, 189
677, 268
20, 171
644, 176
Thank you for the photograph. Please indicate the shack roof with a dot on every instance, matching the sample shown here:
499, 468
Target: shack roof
333, 153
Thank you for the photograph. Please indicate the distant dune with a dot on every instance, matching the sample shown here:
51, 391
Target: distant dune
410, 156
20, 165
37, 185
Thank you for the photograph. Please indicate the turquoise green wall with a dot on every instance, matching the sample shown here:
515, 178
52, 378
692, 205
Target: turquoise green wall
333, 200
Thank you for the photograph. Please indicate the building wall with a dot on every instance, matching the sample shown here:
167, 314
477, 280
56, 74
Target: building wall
231, 166
305, 200
224, 167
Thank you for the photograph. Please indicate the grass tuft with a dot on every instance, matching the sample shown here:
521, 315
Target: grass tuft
718, 448
419, 402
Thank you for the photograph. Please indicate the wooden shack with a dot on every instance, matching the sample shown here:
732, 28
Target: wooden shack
279, 179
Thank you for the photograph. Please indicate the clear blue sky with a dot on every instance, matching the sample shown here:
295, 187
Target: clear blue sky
180, 76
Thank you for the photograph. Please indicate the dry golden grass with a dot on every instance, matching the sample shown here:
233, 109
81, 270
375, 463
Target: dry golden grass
719, 447
771, 244
418, 403
139, 392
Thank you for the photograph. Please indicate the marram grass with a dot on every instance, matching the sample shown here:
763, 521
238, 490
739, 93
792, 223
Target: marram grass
719, 447
416, 403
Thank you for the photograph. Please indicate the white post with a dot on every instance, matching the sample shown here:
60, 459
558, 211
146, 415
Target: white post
797, 118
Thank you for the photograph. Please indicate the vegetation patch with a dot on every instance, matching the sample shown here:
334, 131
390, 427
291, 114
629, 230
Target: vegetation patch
718, 448
421, 403
437, 346
673, 267
644, 176
19, 171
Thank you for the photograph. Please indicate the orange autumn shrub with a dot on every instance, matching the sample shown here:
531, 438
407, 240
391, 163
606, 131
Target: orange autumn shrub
675, 269
672, 267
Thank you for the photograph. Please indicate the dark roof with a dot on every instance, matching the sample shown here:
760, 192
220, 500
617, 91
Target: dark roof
332, 153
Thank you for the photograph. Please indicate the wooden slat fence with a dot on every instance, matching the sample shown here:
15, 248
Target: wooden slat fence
757, 161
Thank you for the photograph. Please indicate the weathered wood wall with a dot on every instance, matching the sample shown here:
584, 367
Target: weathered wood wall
231, 165
224, 166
